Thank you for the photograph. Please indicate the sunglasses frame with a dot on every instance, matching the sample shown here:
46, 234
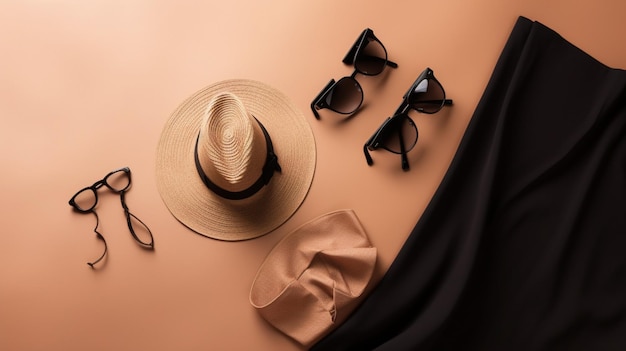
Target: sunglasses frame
374, 142
351, 58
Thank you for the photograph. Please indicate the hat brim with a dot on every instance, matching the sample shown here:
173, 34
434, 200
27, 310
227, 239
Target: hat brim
206, 213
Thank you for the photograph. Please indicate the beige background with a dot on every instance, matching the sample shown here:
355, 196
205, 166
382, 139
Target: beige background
86, 87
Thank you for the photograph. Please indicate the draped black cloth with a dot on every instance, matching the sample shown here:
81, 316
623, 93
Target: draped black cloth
523, 246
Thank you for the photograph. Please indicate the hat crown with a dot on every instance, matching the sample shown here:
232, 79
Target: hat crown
231, 145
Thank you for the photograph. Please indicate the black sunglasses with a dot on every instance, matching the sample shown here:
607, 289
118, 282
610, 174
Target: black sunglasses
398, 134
86, 199
345, 96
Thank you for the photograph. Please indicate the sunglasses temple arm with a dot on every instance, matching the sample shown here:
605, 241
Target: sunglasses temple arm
368, 158
91, 264
314, 109
316, 104
369, 142
392, 64
405, 160
447, 102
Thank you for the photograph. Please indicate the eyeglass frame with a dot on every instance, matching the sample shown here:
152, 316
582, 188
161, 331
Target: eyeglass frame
373, 142
94, 189
350, 59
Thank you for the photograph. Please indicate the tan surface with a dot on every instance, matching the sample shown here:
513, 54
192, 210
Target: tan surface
86, 86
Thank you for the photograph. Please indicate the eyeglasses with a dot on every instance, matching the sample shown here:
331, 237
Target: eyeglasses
398, 134
345, 96
86, 199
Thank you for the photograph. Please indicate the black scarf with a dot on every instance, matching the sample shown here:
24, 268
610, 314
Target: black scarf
523, 246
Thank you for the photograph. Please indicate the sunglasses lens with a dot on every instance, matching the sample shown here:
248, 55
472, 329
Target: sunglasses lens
398, 131
371, 57
427, 96
346, 96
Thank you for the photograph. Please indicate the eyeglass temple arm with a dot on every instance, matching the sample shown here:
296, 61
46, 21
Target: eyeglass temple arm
91, 264
129, 216
317, 103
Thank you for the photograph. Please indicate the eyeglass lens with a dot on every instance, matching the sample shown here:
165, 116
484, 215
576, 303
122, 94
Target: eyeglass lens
118, 180
85, 200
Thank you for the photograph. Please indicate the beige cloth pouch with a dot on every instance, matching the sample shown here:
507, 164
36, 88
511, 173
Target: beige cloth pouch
315, 277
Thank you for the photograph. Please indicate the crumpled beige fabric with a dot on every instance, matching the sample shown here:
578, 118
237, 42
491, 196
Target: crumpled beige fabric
315, 276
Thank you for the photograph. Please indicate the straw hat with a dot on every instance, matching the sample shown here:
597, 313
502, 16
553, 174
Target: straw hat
235, 160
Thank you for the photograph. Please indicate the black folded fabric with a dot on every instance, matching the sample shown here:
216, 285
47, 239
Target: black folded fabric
523, 246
